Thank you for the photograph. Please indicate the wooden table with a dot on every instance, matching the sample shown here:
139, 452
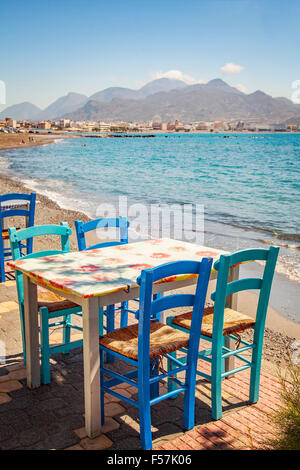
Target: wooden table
93, 279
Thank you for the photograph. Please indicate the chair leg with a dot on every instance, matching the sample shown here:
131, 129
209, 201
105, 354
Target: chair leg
224, 360
102, 391
66, 330
189, 399
110, 326
255, 370
124, 315
2, 268
22, 321
145, 416
157, 296
154, 388
172, 385
216, 381
101, 314
45, 348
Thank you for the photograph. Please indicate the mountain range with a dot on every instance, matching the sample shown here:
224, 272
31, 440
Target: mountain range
163, 99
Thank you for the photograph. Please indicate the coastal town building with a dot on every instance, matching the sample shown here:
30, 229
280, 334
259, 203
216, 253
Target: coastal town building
218, 125
11, 122
202, 126
240, 126
64, 123
44, 125
170, 126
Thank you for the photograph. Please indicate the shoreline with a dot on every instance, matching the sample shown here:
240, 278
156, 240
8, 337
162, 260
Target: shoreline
49, 211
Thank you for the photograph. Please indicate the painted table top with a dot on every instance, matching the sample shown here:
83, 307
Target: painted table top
102, 271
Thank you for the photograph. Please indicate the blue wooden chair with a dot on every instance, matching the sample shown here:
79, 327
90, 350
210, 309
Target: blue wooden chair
145, 344
219, 322
122, 225
50, 305
8, 209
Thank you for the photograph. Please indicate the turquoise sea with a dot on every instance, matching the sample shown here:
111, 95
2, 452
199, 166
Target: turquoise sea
248, 183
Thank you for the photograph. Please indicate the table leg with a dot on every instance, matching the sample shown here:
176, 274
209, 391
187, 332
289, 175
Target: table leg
91, 358
231, 303
31, 333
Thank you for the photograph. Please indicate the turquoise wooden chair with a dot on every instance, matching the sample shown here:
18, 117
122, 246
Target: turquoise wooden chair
51, 306
9, 209
122, 225
145, 344
219, 321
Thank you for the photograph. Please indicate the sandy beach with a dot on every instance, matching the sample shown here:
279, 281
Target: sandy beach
280, 332
8, 141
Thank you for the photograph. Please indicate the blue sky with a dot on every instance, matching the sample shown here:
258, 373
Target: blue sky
51, 47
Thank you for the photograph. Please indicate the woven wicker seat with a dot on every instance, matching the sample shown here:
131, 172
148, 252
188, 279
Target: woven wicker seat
53, 301
234, 322
163, 339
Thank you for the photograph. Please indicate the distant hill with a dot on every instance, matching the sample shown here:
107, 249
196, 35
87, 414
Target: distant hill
161, 84
155, 86
73, 101
112, 93
294, 121
215, 100
64, 105
221, 85
171, 99
21, 111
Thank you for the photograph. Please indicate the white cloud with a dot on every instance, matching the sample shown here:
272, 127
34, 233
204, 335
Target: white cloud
177, 75
231, 68
241, 87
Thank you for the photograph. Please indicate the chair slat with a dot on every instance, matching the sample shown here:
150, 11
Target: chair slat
41, 230
172, 301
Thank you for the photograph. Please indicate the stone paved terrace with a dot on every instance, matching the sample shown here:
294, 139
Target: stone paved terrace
52, 416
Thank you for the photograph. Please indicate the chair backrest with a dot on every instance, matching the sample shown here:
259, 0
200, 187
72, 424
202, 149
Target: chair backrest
8, 208
82, 228
225, 288
149, 307
17, 236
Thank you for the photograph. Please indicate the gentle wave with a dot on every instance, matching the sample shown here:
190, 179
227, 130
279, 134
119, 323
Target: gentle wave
5, 163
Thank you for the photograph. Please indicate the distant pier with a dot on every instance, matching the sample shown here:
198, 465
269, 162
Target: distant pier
119, 136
